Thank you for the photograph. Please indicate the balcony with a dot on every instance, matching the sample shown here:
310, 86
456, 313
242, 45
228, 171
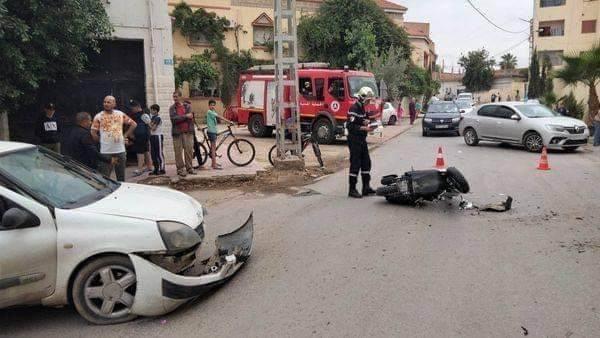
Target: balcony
552, 3
552, 28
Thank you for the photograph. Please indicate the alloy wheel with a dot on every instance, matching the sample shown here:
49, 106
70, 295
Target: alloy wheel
110, 291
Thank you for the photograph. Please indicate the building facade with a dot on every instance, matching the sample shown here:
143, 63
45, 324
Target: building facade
565, 27
423, 53
507, 84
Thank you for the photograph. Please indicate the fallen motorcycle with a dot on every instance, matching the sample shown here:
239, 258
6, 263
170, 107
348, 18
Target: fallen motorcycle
423, 185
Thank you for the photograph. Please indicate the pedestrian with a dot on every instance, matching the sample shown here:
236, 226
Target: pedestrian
509, 99
141, 138
493, 98
499, 97
412, 110
419, 107
156, 141
358, 126
107, 128
182, 121
562, 110
79, 145
518, 96
212, 118
597, 130
48, 129
197, 152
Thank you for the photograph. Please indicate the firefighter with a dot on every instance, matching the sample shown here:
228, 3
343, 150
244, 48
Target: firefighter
358, 129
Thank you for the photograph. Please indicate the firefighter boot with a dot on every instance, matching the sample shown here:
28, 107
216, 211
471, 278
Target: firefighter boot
353, 192
367, 190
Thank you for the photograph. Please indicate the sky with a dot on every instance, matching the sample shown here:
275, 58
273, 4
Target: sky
456, 28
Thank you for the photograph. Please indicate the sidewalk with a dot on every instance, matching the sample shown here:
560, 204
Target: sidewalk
333, 155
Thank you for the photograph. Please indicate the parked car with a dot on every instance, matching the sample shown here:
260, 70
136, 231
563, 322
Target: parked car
465, 96
113, 250
531, 125
390, 114
464, 106
443, 116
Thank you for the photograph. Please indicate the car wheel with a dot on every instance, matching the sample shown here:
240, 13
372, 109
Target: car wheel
392, 120
471, 138
323, 131
256, 126
104, 290
533, 142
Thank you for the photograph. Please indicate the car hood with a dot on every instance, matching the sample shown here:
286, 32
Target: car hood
562, 121
150, 203
442, 115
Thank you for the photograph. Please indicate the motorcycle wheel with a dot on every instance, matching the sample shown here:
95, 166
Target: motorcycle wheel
458, 180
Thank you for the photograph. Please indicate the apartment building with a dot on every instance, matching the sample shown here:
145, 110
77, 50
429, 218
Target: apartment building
423, 53
565, 27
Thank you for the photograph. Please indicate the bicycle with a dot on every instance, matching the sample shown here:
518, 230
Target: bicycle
306, 139
240, 151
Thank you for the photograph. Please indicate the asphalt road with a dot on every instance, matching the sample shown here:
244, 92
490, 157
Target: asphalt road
325, 265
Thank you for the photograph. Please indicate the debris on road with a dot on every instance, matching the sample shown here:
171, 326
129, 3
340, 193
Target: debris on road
525, 331
501, 206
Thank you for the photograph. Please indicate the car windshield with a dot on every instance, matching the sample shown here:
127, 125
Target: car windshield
535, 111
442, 108
357, 82
58, 181
462, 104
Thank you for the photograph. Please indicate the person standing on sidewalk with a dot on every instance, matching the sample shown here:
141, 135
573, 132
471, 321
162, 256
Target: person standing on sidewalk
156, 141
79, 145
107, 128
48, 129
597, 130
358, 129
141, 141
412, 110
212, 119
182, 120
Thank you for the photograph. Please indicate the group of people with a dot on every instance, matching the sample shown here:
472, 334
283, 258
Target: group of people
101, 142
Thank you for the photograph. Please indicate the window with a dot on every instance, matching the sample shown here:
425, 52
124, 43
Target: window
320, 89
336, 88
262, 35
487, 111
306, 88
588, 26
552, 3
504, 112
555, 56
552, 28
199, 39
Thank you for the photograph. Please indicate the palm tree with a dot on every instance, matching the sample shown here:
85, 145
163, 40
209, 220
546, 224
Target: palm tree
583, 68
509, 61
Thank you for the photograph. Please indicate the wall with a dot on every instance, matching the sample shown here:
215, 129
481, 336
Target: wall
131, 20
420, 47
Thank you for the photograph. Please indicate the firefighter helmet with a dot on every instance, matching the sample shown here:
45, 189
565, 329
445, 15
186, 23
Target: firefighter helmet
366, 93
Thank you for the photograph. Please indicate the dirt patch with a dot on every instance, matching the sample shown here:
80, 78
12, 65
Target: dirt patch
581, 247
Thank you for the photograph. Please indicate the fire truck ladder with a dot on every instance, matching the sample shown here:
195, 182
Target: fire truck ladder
286, 76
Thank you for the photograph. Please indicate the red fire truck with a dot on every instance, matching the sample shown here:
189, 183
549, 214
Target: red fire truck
325, 97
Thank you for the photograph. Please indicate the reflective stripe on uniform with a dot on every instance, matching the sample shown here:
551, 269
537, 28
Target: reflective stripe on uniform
353, 175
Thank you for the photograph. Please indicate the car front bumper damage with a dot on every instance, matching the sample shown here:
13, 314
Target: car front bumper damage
160, 291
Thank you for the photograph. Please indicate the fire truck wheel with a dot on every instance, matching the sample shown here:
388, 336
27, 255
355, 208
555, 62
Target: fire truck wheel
323, 130
256, 126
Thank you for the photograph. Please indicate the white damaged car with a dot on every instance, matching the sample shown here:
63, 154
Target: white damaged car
113, 250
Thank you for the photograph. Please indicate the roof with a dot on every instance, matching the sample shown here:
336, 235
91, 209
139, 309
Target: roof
417, 28
390, 5
6, 147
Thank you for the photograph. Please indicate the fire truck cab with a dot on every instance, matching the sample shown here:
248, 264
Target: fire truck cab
325, 95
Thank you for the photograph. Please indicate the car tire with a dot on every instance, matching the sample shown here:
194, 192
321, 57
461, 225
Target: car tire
533, 142
323, 131
392, 121
471, 138
256, 126
104, 290
458, 180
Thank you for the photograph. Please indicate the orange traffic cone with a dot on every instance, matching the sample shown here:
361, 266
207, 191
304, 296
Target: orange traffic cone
439, 161
544, 160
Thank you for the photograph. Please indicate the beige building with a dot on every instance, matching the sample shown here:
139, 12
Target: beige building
565, 27
423, 53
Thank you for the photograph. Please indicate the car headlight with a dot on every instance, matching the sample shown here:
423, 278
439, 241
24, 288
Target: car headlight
456, 120
178, 236
427, 119
555, 127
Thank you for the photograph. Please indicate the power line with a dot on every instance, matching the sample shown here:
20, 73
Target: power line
492, 22
511, 48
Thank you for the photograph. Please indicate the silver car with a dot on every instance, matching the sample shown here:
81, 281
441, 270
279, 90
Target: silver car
531, 125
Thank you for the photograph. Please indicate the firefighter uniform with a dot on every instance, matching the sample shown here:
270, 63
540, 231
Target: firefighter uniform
360, 161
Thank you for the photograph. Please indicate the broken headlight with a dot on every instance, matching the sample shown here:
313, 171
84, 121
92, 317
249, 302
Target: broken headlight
178, 236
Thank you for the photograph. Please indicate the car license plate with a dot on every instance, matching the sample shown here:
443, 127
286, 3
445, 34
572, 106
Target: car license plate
442, 126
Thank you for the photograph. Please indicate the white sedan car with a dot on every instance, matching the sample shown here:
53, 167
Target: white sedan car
389, 115
113, 250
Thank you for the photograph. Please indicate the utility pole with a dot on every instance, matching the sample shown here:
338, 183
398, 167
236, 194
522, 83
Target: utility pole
286, 77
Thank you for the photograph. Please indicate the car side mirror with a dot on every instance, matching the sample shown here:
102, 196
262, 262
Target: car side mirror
17, 218
515, 117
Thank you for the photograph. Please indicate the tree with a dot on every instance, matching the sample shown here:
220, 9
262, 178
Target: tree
583, 68
197, 70
479, 70
390, 67
574, 107
43, 41
324, 36
508, 62
534, 89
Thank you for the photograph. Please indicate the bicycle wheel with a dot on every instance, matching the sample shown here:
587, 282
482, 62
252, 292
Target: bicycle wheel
203, 156
317, 151
241, 152
272, 153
